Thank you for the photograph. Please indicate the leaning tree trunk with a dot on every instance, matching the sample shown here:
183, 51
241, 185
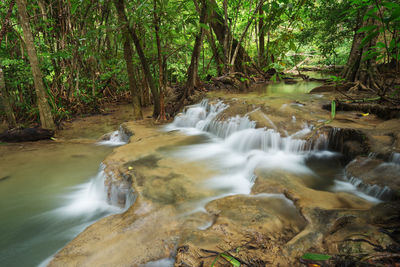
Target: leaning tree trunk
358, 69
46, 118
147, 73
222, 32
128, 55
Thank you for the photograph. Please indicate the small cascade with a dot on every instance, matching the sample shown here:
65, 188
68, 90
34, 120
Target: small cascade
395, 158
92, 198
116, 138
372, 190
238, 132
376, 191
237, 148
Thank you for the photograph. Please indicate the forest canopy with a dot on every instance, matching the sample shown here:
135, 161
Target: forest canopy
60, 58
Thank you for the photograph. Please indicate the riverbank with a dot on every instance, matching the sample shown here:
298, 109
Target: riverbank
216, 181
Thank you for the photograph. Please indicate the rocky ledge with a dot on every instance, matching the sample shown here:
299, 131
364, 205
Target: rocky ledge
282, 218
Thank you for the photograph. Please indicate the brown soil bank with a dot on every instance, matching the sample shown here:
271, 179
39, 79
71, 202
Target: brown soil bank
176, 216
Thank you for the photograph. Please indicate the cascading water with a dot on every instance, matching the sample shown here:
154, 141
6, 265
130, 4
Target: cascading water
236, 148
116, 138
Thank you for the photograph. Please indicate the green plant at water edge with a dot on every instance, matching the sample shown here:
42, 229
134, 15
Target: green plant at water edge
333, 110
234, 262
315, 257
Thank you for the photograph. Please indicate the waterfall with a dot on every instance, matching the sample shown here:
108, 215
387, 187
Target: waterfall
236, 148
115, 138
92, 198
395, 158
376, 191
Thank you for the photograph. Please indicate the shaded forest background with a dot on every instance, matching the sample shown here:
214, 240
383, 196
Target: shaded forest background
60, 58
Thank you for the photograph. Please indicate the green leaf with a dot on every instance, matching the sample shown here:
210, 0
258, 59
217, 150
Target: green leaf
391, 5
333, 109
368, 38
231, 260
315, 256
215, 260
367, 28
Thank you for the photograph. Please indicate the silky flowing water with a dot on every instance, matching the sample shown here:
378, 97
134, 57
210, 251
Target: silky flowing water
52, 191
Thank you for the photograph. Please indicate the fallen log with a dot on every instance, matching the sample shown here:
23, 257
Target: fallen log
25, 134
382, 111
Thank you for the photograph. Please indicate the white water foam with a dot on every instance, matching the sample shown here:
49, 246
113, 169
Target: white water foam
236, 148
116, 138
89, 198
395, 158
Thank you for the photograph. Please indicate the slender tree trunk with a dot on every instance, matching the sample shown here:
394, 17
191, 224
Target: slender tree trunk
128, 54
162, 116
3, 91
6, 102
235, 53
192, 80
357, 68
147, 73
221, 30
6, 21
46, 118
261, 32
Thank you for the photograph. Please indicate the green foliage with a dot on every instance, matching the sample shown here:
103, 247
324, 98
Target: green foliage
387, 13
315, 257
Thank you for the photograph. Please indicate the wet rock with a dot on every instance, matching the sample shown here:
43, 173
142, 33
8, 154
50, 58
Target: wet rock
331, 87
382, 111
375, 177
252, 229
26, 134
349, 142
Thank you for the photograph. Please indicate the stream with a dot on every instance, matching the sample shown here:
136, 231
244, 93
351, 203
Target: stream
51, 191
54, 190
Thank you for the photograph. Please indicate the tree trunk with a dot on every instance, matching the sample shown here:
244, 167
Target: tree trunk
192, 72
6, 21
147, 74
128, 54
235, 53
221, 31
156, 22
3, 91
46, 118
357, 68
6, 102
261, 37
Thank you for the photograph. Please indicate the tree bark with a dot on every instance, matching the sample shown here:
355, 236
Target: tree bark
357, 68
147, 73
6, 102
221, 31
156, 22
128, 54
6, 21
46, 118
192, 72
261, 38
235, 53
3, 91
